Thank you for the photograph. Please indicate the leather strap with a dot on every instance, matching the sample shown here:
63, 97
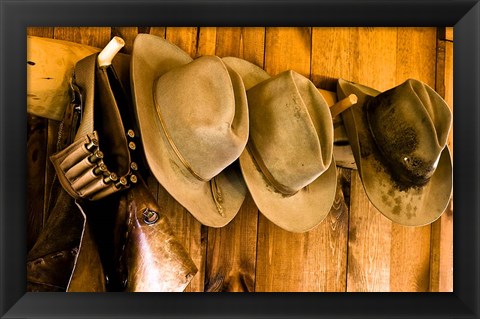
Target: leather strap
80, 166
85, 79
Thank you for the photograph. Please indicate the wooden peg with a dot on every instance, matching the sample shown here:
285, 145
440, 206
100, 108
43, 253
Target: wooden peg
344, 104
108, 53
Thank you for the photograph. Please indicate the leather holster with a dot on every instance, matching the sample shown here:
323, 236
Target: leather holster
105, 230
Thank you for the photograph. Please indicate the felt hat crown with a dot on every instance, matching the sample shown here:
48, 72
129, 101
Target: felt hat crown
288, 164
193, 121
410, 125
398, 139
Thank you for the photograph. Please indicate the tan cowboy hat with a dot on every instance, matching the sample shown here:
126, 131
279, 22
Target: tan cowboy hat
193, 120
288, 163
398, 139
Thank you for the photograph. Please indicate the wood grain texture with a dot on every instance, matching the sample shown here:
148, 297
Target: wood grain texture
441, 260
316, 260
128, 34
410, 254
158, 31
231, 255
190, 232
93, 36
46, 32
245, 43
355, 248
369, 240
185, 38
330, 56
372, 63
207, 38
449, 33
288, 49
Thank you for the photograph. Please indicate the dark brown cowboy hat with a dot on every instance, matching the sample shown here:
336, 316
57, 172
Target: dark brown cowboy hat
399, 138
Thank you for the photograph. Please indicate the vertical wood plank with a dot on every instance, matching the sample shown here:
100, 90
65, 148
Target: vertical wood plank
36, 160
330, 60
368, 244
315, 260
449, 33
158, 31
372, 63
288, 48
245, 43
231, 254
410, 253
441, 261
93, 36
330, 56
189, 231
184, 37
206, 41
46, 32
128, 34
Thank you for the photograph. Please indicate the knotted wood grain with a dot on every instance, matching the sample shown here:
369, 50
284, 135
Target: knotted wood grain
231, 254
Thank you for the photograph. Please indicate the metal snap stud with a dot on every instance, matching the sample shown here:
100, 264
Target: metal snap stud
133, 179
131, 133
150, 217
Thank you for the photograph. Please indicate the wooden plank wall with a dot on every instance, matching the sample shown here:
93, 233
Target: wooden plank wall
355, 248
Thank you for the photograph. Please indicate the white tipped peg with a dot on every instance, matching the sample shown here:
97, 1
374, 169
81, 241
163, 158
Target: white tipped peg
108, 53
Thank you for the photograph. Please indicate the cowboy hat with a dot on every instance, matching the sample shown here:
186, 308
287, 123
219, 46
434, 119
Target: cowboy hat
288, 164
193, 120
398, 139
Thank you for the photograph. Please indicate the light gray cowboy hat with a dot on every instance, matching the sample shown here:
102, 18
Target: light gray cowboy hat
193, 120
288, 163
399, 138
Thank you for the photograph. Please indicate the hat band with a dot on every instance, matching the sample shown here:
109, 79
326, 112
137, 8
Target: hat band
217, 194
172, 143
261, 164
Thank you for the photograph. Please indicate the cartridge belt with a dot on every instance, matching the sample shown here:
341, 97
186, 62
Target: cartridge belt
88, 169
82, 171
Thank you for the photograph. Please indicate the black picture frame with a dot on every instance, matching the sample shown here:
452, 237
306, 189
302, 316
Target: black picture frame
17, 15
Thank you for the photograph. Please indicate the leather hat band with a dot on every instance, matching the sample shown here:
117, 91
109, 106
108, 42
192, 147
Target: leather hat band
261, 164
172, 144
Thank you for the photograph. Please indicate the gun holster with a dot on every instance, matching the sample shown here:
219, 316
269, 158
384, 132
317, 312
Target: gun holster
103, 220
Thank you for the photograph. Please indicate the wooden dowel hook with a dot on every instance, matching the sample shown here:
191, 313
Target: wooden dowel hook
108, 53
344, 104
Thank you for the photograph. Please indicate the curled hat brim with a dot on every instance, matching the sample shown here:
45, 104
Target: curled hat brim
403, 204
296, 213
153, 56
